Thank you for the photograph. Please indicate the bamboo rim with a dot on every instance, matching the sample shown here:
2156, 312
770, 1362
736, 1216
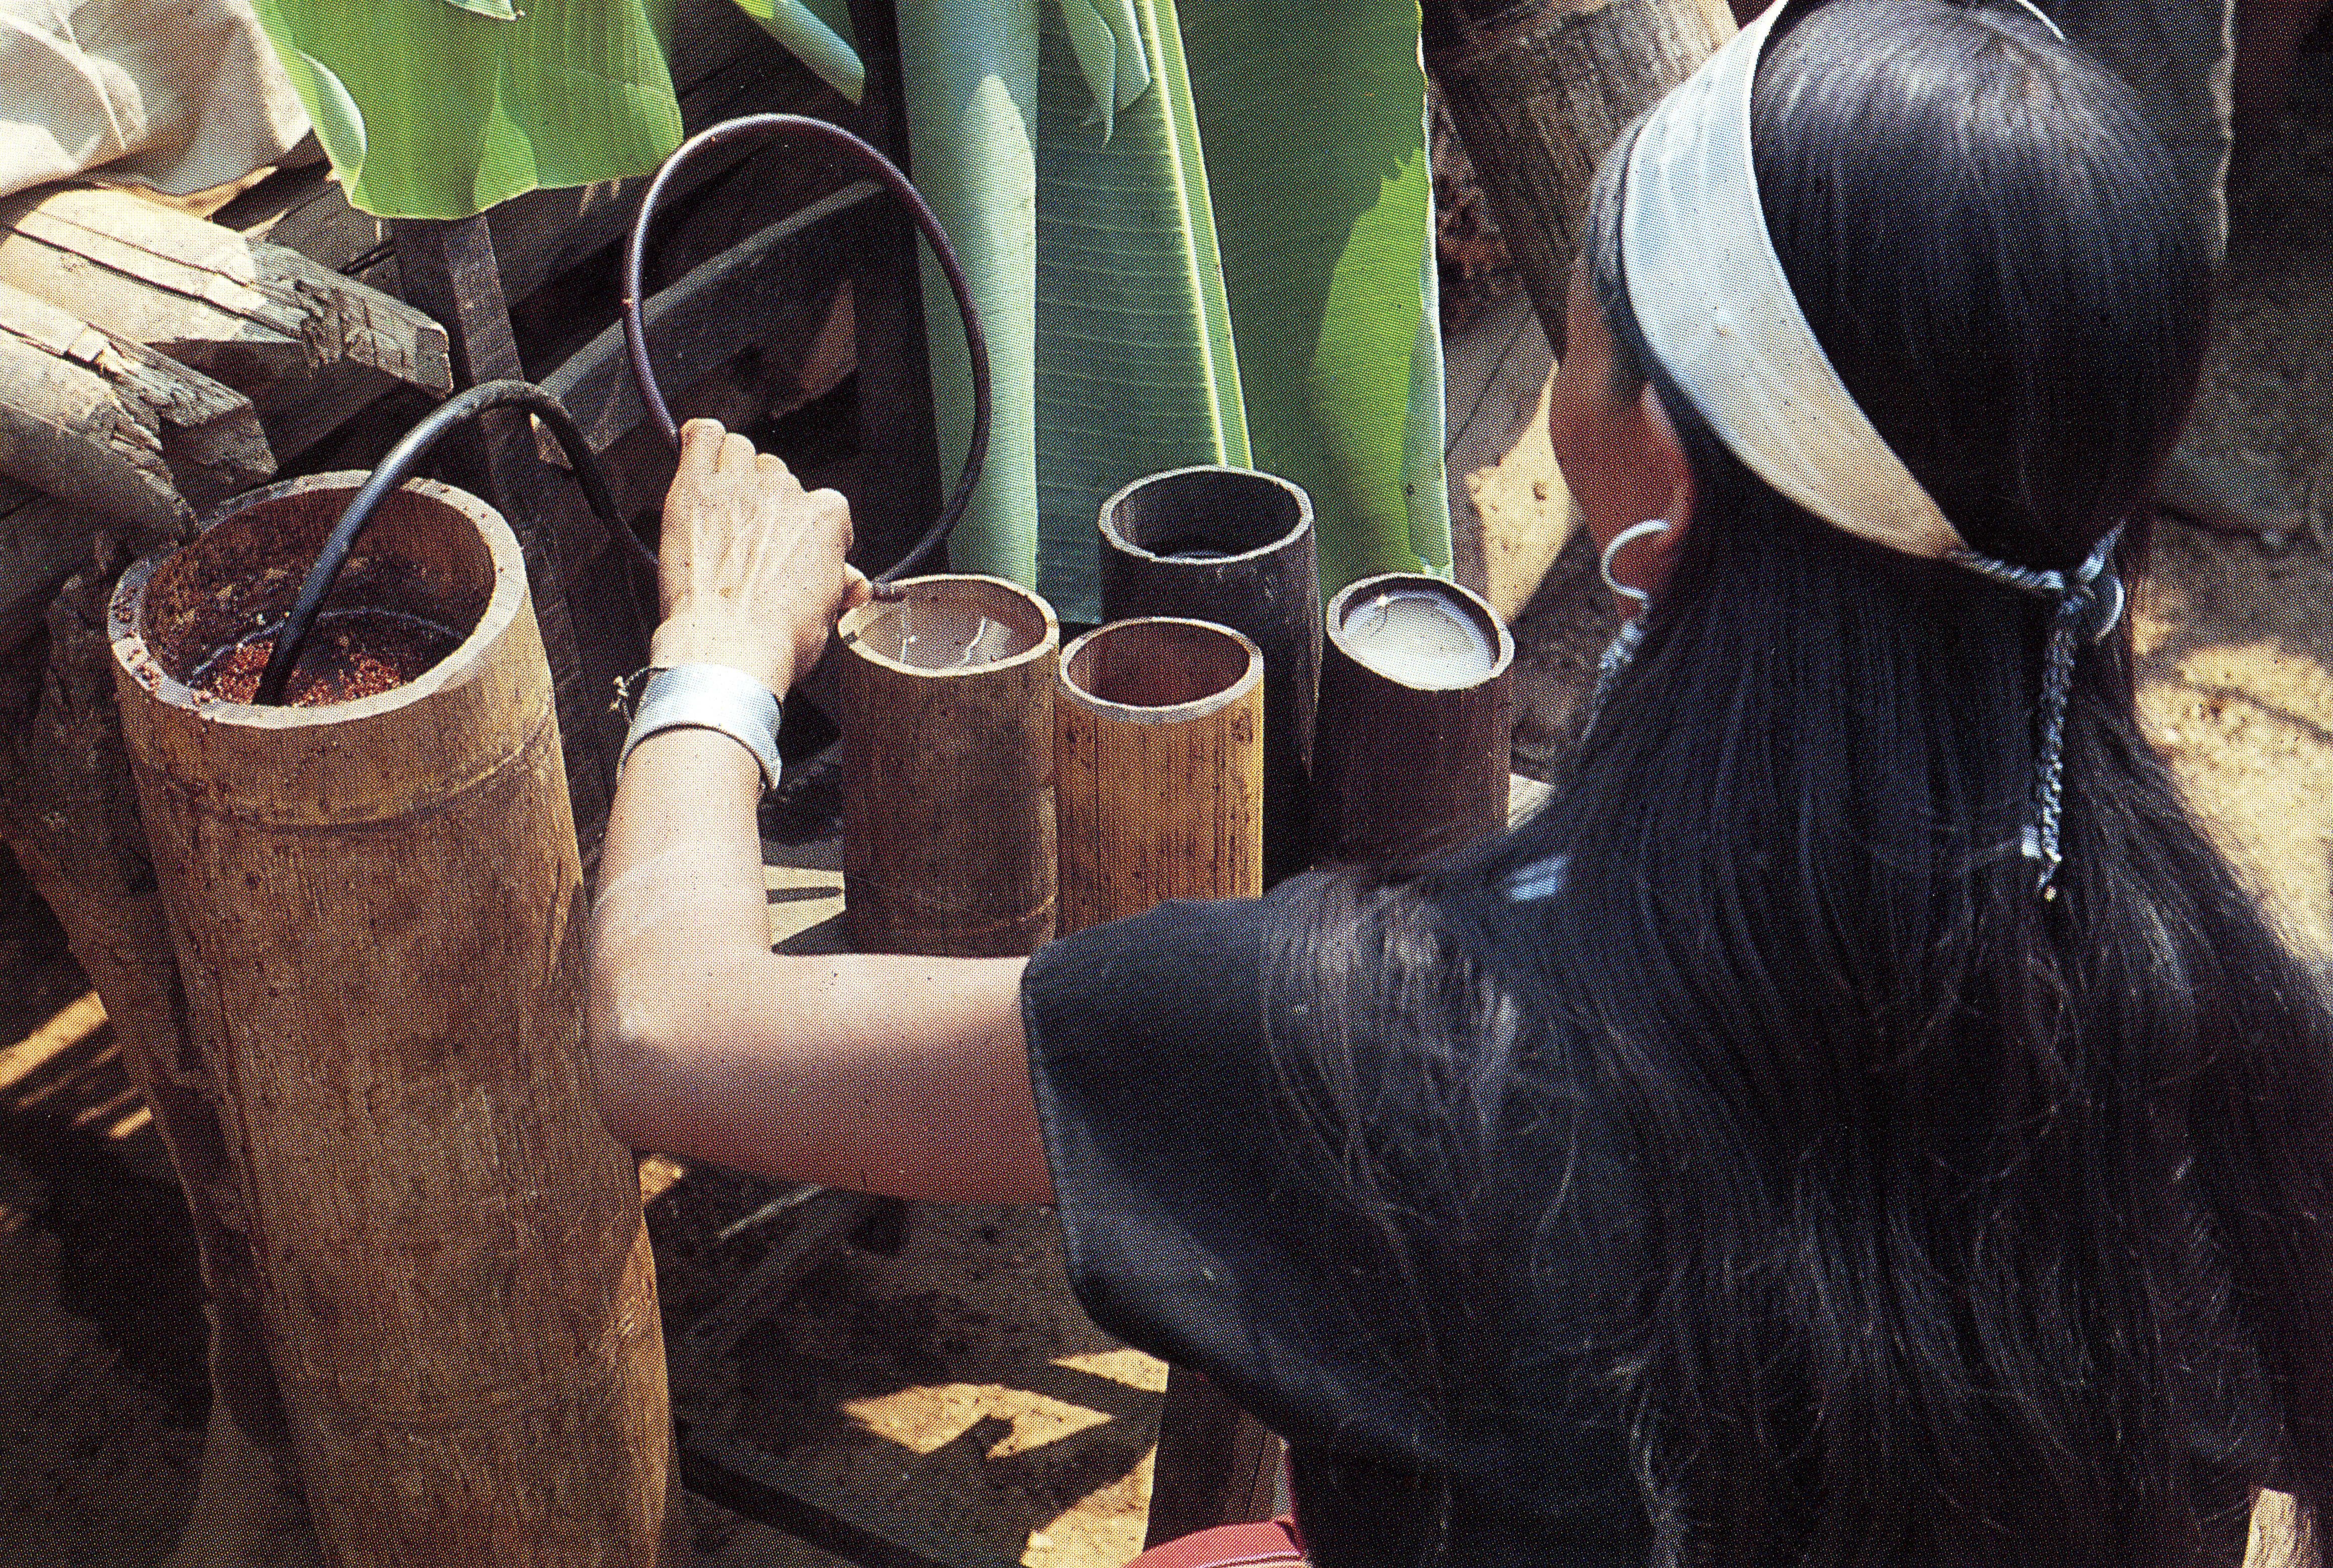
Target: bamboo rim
1125, 515
1023, 611
1456, 596
1138, 648
158, 668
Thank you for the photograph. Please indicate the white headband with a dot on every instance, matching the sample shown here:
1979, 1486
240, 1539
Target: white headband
1717, 312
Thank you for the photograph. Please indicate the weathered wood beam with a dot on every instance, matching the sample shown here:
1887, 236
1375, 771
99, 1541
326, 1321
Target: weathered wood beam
247, 312
897, 496
773, 297
210, 434
64, 430
749, 1481
822, 1218
447, 269
1215, 1464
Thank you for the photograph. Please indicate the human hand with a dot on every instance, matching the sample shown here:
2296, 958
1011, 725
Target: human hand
752, 572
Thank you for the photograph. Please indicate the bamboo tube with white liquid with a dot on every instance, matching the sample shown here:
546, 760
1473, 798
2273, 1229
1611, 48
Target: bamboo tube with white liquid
1411, 748
947, 769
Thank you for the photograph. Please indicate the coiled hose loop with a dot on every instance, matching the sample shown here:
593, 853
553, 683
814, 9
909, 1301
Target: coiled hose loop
294, 633
976, 340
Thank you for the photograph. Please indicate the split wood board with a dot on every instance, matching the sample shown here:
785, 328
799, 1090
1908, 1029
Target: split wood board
248, 312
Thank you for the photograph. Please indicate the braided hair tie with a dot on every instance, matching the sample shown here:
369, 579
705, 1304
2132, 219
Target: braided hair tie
2088, 604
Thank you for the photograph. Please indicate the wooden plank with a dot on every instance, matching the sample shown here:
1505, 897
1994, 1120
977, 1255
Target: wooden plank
747, 1480
210, 435
246, 312
1510, 514
775, 298
897, 497
823, 1217
448, 271
1214, 1466
300, 413
63, 430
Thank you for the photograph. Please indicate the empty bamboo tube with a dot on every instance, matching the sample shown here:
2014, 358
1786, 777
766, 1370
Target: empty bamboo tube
378, 916
947, 769
1235, 546
1159, 767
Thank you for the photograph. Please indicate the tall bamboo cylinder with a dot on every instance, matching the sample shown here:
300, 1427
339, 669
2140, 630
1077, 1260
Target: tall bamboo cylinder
378, 916
1413, 742
948, 770
1539, 89
1234, 547
1159, 767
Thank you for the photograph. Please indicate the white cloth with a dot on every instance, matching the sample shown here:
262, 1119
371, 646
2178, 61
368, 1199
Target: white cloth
179, 95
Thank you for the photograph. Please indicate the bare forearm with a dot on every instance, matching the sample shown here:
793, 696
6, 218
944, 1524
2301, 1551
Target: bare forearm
899, 1076
891, 1074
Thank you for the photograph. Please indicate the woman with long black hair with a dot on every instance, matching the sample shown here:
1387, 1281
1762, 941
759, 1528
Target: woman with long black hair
1861, 1121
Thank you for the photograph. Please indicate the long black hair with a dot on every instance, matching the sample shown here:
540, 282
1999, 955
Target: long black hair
1966, 1226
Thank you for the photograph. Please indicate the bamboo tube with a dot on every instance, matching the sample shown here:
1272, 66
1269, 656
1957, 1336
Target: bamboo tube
948, 770
379, 917
1234, 547
1159, 767
1538, 90
1413, 743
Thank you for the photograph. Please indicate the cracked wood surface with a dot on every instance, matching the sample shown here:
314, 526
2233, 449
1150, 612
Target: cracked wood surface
245, 311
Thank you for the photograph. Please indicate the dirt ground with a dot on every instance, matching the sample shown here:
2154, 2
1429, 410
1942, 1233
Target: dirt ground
955, 1380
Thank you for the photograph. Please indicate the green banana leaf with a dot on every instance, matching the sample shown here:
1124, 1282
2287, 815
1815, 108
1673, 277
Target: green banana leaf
1107, 37
1314, 123
822, 43
1137, 366
969, 73
1276, 170
432, 109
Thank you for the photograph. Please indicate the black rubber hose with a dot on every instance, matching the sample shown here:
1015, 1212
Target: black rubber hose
976, 340
293, 634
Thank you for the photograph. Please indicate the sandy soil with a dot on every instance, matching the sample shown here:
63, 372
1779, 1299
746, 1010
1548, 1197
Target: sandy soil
954, 1380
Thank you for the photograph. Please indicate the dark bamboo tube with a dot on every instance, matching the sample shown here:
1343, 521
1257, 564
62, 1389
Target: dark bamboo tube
1234, 547
1159, 768
379, 918
1413, 745
947, 769
1538, 90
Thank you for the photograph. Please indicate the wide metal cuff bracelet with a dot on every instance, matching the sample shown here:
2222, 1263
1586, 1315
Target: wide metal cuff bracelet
710, 697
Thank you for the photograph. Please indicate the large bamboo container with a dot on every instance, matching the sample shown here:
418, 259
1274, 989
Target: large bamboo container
1539, 89
1413, 742
1235, 546
1159, 768
379, 915
947, 769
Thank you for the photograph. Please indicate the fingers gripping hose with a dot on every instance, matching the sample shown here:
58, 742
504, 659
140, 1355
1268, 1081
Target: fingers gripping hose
401, 462
873, 162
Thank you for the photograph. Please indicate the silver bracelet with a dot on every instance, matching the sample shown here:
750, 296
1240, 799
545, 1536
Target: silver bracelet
709, 697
